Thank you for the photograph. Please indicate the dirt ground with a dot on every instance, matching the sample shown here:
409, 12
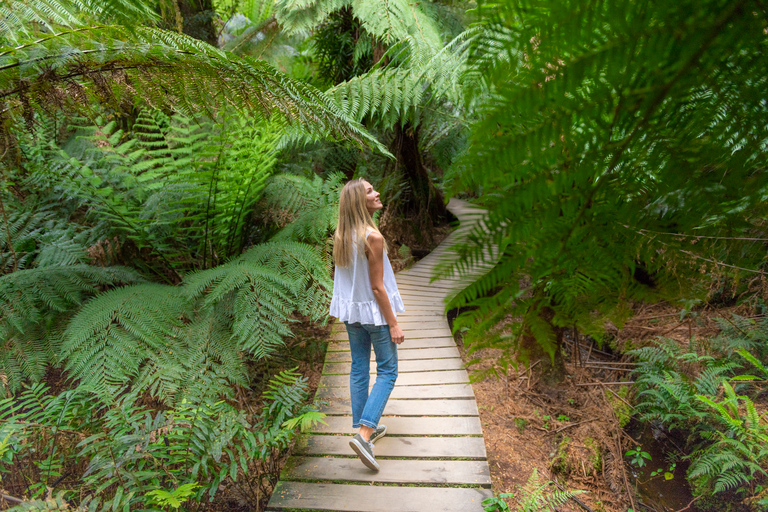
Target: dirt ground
572, 433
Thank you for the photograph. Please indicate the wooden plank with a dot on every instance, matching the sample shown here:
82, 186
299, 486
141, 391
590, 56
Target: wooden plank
406, 366
440, 313
416, 301
410, 407
393, 446
408, 290
406, 323
409, 344
467, 472
424, 304
450, 391
427, 274
429, 308
423, 282
444, 332
404, 379
402, 354
414, 325
366, 498
408, 426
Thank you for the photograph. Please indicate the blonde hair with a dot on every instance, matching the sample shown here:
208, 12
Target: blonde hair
354, 223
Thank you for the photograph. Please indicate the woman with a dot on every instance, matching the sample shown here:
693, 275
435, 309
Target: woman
366, 299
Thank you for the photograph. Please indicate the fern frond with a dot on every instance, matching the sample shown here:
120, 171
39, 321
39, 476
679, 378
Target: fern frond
108, 341
266, 284
596, 124
164, 69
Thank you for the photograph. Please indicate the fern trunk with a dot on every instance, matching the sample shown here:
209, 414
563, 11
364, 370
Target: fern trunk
421, 205
551, 366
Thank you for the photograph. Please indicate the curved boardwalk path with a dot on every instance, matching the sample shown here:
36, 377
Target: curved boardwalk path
433, 457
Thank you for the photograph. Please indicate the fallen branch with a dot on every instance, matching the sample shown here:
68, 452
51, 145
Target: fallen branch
612, 368
620, 398
572, 425
652, 317
10, 498
620, 462
619, 453
689, 505
672, 329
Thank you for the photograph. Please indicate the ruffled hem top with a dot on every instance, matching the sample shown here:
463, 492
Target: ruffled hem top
353, 300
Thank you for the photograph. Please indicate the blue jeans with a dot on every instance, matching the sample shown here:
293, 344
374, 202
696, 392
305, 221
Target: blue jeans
367, 409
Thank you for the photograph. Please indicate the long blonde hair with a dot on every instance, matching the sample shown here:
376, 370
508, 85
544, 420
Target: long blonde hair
354, 223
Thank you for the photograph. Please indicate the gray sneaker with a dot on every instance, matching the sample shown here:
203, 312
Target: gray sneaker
380, 432
364, 450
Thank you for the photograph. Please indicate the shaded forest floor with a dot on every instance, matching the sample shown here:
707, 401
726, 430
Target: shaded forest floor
576, 433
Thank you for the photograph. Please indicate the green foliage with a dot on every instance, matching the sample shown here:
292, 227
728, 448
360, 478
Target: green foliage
609, 130
304, 209
739, 448
535, 496
596, 454
180, 189
35, 304
621, 408
173, 499
638, 457
684, 392
168, 340
127, 456
667, 393
559, 462
89, 61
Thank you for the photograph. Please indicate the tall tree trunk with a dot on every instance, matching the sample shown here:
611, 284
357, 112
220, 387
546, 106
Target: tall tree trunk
421, 205
198, 16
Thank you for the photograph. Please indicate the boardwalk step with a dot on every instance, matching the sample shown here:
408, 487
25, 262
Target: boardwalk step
404, 379
408, 426
394, 471
450, 391
414, 334
410, 447
406, 366
408, 344
366, 498
411, 407
410, 323
402, 354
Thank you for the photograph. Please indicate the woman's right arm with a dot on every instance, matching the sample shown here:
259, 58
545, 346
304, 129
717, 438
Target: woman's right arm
376, 269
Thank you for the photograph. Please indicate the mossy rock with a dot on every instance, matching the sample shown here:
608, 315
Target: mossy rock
622, 411
595, 454
561, 462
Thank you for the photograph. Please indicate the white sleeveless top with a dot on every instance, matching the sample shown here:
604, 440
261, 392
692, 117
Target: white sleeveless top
353, 299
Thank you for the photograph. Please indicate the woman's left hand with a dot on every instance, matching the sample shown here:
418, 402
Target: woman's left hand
397, 334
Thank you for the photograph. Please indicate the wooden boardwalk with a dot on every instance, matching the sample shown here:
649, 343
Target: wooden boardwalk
433, 457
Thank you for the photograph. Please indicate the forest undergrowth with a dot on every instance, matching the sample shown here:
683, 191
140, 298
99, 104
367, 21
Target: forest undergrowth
612, 427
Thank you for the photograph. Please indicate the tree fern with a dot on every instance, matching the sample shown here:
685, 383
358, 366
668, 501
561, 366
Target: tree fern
605, 120
305, 209
163, 68
34, 303
181, 189
266, 284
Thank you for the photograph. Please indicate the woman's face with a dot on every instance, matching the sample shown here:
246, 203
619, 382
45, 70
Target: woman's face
372, 200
